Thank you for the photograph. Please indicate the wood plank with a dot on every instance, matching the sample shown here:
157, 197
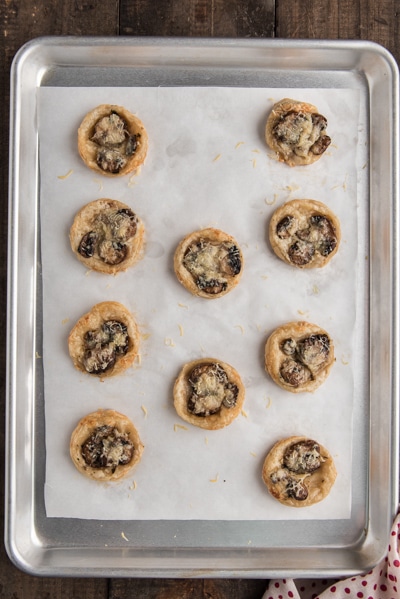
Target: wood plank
206, 18
187, 589
341, 19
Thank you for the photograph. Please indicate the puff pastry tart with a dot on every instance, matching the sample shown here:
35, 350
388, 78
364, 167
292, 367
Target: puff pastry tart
304, 233
298, 472
105, 446
296, 132
209, 263
299, 356
208, 393
105, 341
107, 236
112, 141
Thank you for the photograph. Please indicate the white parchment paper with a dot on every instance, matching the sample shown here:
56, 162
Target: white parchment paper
207, 165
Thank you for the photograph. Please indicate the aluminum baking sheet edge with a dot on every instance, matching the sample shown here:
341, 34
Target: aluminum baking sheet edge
48, 546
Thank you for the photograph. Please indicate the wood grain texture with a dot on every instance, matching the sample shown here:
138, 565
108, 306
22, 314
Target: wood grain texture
341, 19
206, 18
187, 589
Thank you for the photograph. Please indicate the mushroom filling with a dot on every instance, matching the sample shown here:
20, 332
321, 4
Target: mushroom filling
305, 358
301, 458
107, 448
318, 236
115, 143
212, 264
210, 390
107, 239
296, 489
300, 133
103, 345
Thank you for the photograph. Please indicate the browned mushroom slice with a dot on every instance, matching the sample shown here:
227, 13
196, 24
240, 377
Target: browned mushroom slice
289, 347
109, 130
111, 230
301, 132
110, 160
112, 252
132, 144
106, 447
99, 359
303, 457
210, 390
314, 351
320, 233
211, 263
285, 226
87, 245
123, 224
296, 489
301, 252
294, 373
103, 344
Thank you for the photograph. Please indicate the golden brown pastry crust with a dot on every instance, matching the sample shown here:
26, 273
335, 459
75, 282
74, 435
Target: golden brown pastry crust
324, 238
285, 152
88, 148
317, 483
275, 356
92, 218
216, 237
84, 429
182, 391
91, 321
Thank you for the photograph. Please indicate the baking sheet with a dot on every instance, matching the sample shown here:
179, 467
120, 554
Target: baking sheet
207, 166
245, 547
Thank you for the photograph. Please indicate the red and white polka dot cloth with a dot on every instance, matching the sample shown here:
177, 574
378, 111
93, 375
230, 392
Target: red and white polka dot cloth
383, 582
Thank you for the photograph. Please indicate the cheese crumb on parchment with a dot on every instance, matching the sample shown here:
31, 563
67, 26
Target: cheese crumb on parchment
271, 202
240, 327
63, 177
180, 427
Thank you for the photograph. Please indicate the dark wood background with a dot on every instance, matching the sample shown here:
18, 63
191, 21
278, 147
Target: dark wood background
22, 20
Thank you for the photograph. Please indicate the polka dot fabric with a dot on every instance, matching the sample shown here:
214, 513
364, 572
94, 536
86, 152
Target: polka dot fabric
383, 582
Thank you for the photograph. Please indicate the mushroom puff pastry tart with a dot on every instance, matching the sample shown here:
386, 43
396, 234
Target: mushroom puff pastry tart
296, 132
112, 141
304, 233
208, 393
105, 341
107, 236
105, 445
299, 356
209, 263
298, 472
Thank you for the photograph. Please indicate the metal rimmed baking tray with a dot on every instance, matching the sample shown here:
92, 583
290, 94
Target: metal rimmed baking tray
217, 548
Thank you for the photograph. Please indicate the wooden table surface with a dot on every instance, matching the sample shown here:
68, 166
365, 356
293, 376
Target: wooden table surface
22, 20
